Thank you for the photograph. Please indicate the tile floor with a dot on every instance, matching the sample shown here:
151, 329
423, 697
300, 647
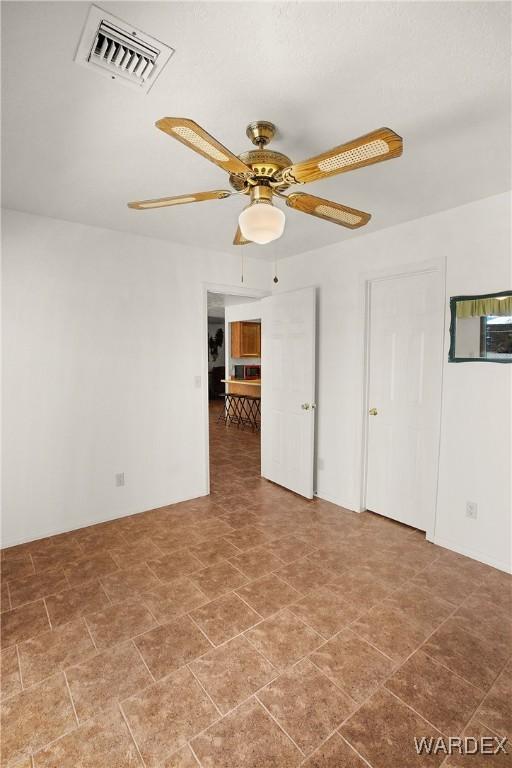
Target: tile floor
249, 629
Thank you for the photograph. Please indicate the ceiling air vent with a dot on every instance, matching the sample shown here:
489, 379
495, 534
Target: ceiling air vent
121, 52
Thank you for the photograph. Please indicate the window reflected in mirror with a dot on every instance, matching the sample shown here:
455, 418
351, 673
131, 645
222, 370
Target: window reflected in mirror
481, 328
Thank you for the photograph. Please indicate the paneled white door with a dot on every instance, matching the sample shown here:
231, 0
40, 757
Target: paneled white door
288, 389
405, 369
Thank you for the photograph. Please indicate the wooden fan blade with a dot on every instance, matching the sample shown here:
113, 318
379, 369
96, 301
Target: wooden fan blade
375, 147
326, 209
239, 239
163, 202
192, 135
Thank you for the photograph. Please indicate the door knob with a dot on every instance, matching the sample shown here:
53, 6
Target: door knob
305, 406
373, 411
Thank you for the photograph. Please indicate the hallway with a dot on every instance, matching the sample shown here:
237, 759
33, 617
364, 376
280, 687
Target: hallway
234, 459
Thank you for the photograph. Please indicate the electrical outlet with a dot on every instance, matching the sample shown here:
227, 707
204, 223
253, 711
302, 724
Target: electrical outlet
472, 509
119, 479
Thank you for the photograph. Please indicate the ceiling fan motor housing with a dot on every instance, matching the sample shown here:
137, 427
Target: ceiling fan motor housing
266, 165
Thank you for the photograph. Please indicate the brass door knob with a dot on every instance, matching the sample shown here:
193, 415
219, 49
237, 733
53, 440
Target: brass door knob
373, 411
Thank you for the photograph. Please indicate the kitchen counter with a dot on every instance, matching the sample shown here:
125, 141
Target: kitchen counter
246, 382
250, 387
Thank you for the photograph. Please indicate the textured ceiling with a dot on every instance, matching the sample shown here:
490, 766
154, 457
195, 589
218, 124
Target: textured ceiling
78, 146
216, 307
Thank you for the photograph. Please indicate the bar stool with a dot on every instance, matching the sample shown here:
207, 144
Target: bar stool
255, 406
223, 415
231, 413
250, 412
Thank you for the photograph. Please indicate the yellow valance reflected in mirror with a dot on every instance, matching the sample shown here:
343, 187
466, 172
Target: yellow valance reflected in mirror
501, 305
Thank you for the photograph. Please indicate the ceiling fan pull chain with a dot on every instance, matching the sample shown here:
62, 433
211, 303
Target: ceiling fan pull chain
242, 277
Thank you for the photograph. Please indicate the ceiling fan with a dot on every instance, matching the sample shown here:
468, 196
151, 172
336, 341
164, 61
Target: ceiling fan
262, 173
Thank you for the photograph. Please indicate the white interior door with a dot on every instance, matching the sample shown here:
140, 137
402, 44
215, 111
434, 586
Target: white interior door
405, 357
288, 389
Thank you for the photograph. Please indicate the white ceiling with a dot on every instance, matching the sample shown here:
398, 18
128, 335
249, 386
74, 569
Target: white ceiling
217, 303
78, 146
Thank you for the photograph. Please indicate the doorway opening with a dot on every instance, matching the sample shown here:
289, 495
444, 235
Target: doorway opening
234, 393
269, 375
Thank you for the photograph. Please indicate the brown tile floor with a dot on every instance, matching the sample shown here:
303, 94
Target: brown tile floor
249, 629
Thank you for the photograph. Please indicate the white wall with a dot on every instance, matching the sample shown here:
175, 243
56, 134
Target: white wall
244, 310
467, 339
103, 338
475, 458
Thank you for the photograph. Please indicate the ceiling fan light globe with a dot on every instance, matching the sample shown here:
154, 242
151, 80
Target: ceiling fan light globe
261, 222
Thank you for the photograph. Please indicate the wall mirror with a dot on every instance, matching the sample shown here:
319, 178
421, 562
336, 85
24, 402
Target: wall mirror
481, 328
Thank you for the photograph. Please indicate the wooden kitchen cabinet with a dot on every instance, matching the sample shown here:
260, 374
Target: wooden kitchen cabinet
245, 339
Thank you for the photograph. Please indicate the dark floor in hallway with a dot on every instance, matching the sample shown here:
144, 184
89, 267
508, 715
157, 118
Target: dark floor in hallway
249, 629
